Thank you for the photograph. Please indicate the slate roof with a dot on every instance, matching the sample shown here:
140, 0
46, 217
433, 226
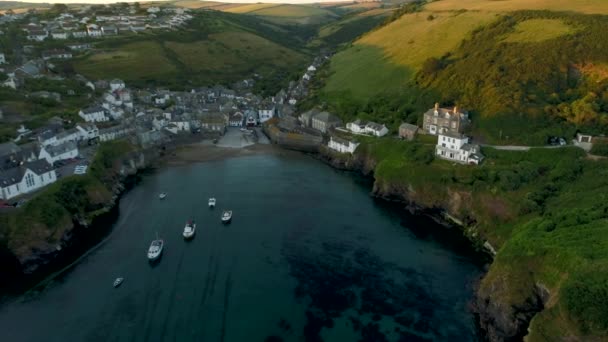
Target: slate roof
15, 175
61, 148
9, 148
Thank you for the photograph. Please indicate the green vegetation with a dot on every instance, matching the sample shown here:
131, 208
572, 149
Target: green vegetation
286, 13
537, 30
350, 27
46, 217
216, 47
543, 208
544, 72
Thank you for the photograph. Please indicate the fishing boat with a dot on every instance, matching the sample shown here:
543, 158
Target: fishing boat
227, 216
118, 281
212, 202
162, 195
156, 249
189, 229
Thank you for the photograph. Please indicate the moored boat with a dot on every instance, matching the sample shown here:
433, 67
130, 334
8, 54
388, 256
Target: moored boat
227, 216
162, 195
156, 249
189, 229
212, 202
118, 281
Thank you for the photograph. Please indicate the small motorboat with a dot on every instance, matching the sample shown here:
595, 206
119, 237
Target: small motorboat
212, 202
189, 229
156, 249
227, 216
118, 281
162, 195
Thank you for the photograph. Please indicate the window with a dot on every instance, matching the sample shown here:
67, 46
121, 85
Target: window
29, 181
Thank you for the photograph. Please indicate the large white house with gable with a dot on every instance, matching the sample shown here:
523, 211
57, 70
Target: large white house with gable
93, 114
26, 178
52, 154
342, 145
456, 147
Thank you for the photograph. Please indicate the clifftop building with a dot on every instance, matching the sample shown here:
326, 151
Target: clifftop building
442, 120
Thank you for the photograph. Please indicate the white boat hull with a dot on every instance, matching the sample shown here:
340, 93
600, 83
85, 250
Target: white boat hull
188, 234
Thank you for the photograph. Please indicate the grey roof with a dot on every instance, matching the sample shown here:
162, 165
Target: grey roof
375, 126
67, 133
47, 134
470, 147
93, 110
326, 117
9, 148
15, 175
61, 148
408, 127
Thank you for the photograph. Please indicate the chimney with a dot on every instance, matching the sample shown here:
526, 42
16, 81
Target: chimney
436, 106
455, 109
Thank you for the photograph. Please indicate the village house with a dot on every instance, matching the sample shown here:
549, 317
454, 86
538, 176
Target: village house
362, 127
70, 135
117, 84
214, 123
311, 68
37, 35
324, 121
236, 119
115, 132
456, 147
88, 131
342, 145
407, 131
59, 34
94, 31
251, 118
54, 153
266, 112
376, 129
26, 178
2, 58
306, 117
151, 137
56, 54
93, 114
80, 34
110, 30
439, 120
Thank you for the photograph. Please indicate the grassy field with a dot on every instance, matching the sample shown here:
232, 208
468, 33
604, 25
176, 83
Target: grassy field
132, 62
399, 49
537, 30
234, 53
286, 13
581, 6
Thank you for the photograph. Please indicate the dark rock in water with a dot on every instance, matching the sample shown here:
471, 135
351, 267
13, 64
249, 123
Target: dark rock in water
273, 338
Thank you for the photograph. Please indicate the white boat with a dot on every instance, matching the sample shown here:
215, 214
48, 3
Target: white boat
212, 202
118, 281
189, 229
156, 249
162, 195
226, 216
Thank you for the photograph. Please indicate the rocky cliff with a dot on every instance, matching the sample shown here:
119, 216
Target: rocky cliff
502, 318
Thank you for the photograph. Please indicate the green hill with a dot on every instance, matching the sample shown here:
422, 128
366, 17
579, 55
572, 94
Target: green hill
216, 47
286, 13
496, 52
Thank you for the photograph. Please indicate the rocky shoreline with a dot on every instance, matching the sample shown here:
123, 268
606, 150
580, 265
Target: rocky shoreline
497, 320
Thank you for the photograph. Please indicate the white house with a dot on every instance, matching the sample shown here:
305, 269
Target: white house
266, 113
88, 131
59, 35
70, 135
306, 77
312, 68
94, 31
342, 145
56, 54
236, 119
56, 153
2, 58
93, 114
356, 126
251, 118
26, 178
117, 84
80, 34
37, 35
116, 132
182, 125
456, 147
375, 129
361, 127
293, 101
